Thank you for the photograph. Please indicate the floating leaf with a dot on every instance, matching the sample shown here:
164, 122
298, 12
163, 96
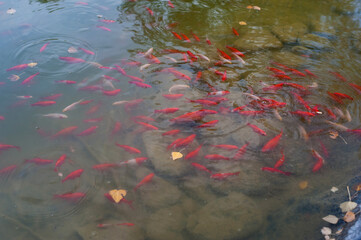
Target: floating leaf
334, 189
242, 23
249, 7
303, 184
326, 231
348, 206
333, 134
14, 78
117, 194
331, 219
32, 64
358, 187
72, 50
176, 155
11, 11
349, 217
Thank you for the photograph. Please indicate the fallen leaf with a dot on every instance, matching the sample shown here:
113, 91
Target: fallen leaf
72, 50
358, 187
348, 206
176, 155
242, 23
303, 184
32, 64
339, 231
331, 219
256, 8
334, 189
117, 194
13, 77
326, 231
349, 217
333, 134
11, 11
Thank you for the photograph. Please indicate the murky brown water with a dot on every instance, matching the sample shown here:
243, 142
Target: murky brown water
315, 43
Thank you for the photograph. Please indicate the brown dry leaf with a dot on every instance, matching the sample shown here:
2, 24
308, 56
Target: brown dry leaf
176, 155
334, 189
32, 64
303, 185
358, 187
249, 7
242, 23
348, 206
13, 77
326, 231
333, 134
349, 217
331, 219
117, 194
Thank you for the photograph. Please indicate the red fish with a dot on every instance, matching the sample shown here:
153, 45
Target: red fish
59, 162
143, 118
296, 72
88, 131
218, 93
134, 78
140, 84
174, 143
44, 47
235, 31
208, 42
70, 196
339, 76
72, 59
149, 11
117, 127
301, 101
225, 55
342, 95
309, 73
224, 76
356, 87
215, 157
335, 98
139, 161
166, 110
196, 37
93, 120
105, 166
147, 125
145, 180
303, 113
221, 176
198, 76
185, 38
170, 4
65, 132
250, 113
73, 175
7, 146
203, 102
276, 71
93, 109
330, 113
208, 124
43, 103
111, 78
107, 21
194, 57
320, 161
85, 102
200, 167
235, 51
280, 162
28, 80
104, 28
128, 148
120, 70
39, 161
8, 169
52, 97
226, 146
269, 169
132, 103
112, 92
87, 51
257, 129
176, 35
239, 154
18, 67
295, 85
171, 132
178, 74
282, 76
186, 141
194, 153
271, 144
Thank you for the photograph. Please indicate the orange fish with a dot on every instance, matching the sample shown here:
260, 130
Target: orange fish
65, 131
271, 144
201, 167
220, 176
59, 162
280, 162
73, 175
145, 180
194, 153
128, 148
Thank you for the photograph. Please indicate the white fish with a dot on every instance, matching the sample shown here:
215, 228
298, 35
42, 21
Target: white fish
25, 97
204, 57
72, 106
224, 60
119, 102
252, 96
348, 117
55, 115
178, 87
108, 83
147, 53
144, 66
337, 125
172, 59
239, 58
277, 114
303, 132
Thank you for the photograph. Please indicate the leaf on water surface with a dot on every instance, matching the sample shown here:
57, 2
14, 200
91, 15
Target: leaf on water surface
249, 7
334, 189
72, 50
349, 217
348, 206
32, 64
331, 219
11, 11
358, 187
303, 185
14, 78
242, 23
176, 155
117, 194
333, 134
326, 231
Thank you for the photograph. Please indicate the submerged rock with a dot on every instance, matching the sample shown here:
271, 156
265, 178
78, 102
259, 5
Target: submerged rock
315, 42
289, 33
257, 39
232, 217
323, 28
289, 59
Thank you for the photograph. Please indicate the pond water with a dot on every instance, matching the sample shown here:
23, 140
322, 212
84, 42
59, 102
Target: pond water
263, 98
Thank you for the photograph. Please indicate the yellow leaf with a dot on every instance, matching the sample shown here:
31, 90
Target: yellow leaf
242, 23
349, 217
303, 184
117, 194
32, 64
358, 187
176, 155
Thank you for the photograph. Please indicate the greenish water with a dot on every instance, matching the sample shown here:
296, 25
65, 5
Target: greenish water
180, 201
